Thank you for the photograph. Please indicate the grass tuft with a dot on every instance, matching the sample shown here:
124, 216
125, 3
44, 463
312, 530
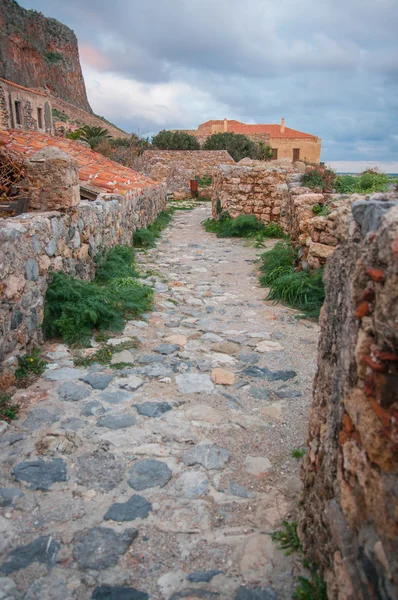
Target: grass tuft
311, 589
287, 537
298, 453
243, 226
30, 364
8, 410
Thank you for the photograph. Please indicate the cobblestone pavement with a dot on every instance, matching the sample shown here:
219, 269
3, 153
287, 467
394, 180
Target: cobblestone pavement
164, 477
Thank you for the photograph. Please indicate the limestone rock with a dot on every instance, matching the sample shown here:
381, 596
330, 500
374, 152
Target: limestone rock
222, 376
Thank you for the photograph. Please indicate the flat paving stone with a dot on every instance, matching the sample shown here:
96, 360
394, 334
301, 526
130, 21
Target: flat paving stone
149, 473
98, 381
207, 455
8, 496
100, 547
64, 374
194, 383
153, 409
93, 408
115, 397
109, 592
130, 383
191, 484
147, 359
43, 550
119, 421
99, 471
260, 393
288, 394
166, 349
41, 474
257, 593
203, 576
73, 392
136, 507
38, 417
73, 424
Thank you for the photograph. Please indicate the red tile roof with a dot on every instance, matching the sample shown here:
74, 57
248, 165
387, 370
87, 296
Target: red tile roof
95, 170
274, 131
21, 87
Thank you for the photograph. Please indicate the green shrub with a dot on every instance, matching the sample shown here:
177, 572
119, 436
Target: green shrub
205, 181
287, 537
74, 135
8, 410
59, 115
53, 58
314, 589
320, 210
303, 290
73, 307
366, 183
144, 238
30, 364
319, 178
239, 146
298, 453
264, 151
175, 140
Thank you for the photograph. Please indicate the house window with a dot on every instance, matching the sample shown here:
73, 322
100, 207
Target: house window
296, 154
274, 153
18, 112
40, 118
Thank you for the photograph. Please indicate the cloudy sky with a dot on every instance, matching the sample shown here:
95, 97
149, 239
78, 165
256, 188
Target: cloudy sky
330, 67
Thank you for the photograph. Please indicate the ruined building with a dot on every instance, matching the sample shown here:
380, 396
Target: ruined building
23, 108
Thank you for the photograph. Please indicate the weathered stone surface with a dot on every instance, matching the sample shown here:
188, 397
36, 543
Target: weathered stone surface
115, 397
109, 592
130, 383
203, 412
207, 455
98, 381
93, 408
44, 550
191, 484
166, 349
73, 392
136, 507
194, 383
257, 465
100, 547
8, 496
202, 576
38, 417
117, 421
101, 471
238, 490
226, 348
289, 394
153, 409
73, 423
263, 593
176, 339
149, 473
50, 587
64, 374
222, 376
9, 590
123, 357
41, 474
268, 346
260, 393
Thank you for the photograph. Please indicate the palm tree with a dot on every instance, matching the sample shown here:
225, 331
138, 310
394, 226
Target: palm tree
93, 135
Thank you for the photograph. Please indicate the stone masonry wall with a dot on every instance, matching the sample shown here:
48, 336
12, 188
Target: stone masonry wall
176, 167
348, 521
34, 244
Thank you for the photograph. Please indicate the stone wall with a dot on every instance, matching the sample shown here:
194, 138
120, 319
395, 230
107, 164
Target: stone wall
348, 521
34, 244
255, 187
30, 103
176, 167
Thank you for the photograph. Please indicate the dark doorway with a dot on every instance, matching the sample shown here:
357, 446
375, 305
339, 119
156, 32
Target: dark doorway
296, 154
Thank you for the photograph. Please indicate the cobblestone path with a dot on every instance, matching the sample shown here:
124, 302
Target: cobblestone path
164, 479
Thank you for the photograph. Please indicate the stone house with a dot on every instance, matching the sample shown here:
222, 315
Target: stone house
24, 108
284, 141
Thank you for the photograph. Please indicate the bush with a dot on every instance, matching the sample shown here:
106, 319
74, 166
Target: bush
303, 290
366, 183
243, 226
53, 58
239, 146
319, 178
205, 181
144, 238
73, 307
175, 140
264, 151
320, 210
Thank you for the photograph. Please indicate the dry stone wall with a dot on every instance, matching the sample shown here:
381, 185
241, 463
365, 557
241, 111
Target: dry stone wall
348, 521
36, 243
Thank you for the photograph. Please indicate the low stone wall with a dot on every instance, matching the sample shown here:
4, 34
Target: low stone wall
348, 522
177, 167
255, 187
34, 244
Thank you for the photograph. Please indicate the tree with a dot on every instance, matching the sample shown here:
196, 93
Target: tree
175, 140
239, 146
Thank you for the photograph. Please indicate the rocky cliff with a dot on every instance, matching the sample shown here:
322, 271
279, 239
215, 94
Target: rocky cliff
38, 52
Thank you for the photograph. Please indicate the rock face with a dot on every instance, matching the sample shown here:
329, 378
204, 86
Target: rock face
348, 521
40, 53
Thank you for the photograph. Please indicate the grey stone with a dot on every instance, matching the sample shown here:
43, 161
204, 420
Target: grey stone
98, 381
367, 213
191, 484
31, 270
100, 471
41, 474
207, 455
263, 372
166, 349
234, 489
73, 423
49, 588
289, 393
38, 417
44, 550
8, 495
255, 372
11, 439
203, 576
161, 288
264, 593
109, 592
149, 473
194, 383
51, 248
64, 374
100, 547
130, 383
3, 427
136, 507
156, 370
212, 337
115, 397
73, 392
250, 358
260, 393
9, 590
195, 593
117, 421
152, 409
147, 359
92, 408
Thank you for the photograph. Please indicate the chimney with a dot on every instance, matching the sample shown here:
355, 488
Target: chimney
225, 125
282, 125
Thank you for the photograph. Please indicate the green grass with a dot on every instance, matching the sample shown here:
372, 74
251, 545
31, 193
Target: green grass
205, 181
243, 226
287, 537
321, 210
30, 364
147, 238
8, 410
311, 589
298, 453
365, 183
303, 290
74, 308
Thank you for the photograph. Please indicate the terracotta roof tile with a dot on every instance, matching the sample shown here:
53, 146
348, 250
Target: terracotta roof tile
95, 169
273, 130
21, 87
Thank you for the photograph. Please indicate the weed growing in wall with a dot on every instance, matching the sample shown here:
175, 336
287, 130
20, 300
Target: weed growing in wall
30, 364
287, 537
320, 210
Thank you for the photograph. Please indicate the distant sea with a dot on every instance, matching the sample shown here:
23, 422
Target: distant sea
350, 173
